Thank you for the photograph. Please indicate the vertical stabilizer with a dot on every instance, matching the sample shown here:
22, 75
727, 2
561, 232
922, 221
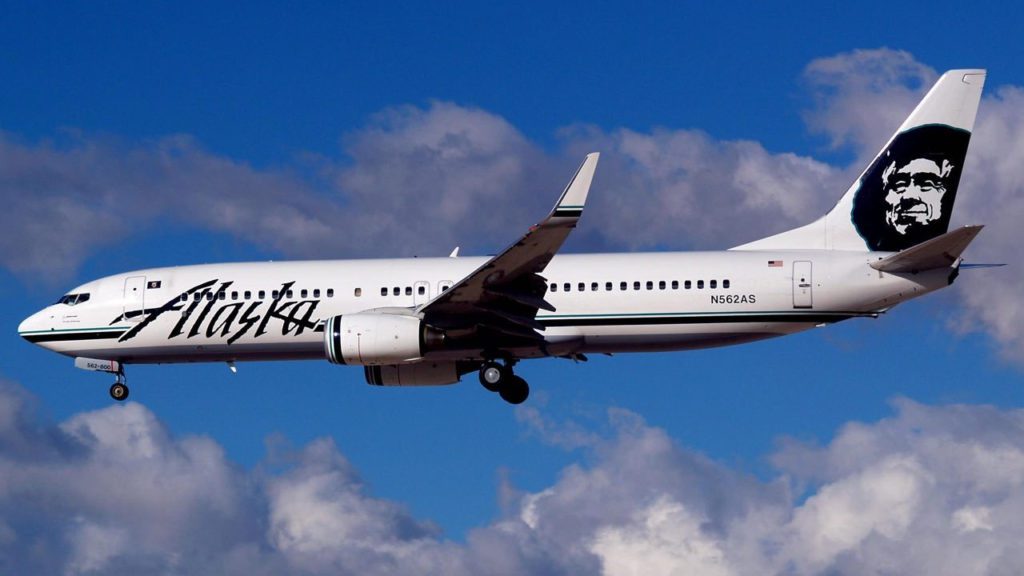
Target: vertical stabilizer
906, 194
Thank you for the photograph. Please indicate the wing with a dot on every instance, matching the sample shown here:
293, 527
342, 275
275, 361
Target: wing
504, 294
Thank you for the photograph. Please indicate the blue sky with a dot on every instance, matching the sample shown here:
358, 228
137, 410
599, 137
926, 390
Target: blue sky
167, 133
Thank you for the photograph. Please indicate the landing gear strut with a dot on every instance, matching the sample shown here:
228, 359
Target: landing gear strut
119, 389
500, 378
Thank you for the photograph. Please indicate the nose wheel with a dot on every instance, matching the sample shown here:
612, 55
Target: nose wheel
500, 378
119, 390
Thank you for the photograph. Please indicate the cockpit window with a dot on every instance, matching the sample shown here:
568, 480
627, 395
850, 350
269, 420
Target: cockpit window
72, 299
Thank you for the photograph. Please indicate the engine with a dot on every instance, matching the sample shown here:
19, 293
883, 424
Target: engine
418, 374
375, 338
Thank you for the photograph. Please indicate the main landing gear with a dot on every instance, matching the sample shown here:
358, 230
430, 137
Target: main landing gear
500, 378
119, 389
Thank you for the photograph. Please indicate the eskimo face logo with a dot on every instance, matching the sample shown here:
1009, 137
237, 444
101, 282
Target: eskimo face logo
907, 195
914, 193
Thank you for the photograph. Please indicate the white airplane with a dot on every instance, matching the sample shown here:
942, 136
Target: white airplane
429, 321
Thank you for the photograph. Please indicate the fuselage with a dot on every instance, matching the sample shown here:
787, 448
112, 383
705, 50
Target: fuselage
628, 302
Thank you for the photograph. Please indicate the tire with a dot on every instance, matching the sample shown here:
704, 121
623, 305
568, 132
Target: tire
493, 376
515, 391
119, 392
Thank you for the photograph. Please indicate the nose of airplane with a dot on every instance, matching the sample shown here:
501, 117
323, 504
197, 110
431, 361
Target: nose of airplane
34, 325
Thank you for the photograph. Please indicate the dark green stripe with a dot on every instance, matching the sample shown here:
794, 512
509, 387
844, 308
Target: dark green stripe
64, 336
696, 319
567, 212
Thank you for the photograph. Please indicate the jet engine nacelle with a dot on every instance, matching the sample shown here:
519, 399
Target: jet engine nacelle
375, 338
417, 374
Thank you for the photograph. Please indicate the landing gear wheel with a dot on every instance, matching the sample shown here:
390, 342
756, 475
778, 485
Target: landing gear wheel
119, 391
493, 376
515, 390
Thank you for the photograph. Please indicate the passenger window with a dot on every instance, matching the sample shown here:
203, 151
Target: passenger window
593, 286
688, 285
184, 297
650, 285
275, 294
608, 286
725, 283
248, 295
636, 285
222, 295
661, 285
262, 294
396, 291
566, 286
304, 293
714, 284
330, 292
383, 291
234, 295
291, 294
622, 285
197, 296
421, 290
675, 284
700, 284
553, 287
408, 290
582, 286
316, 292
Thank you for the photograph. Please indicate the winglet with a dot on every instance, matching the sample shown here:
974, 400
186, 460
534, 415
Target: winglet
570, 204
939, 252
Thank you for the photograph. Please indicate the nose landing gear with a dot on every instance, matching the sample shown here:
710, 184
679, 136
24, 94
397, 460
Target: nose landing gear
119, 389
500, 378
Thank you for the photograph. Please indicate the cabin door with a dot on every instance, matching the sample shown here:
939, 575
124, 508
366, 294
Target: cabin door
802, 285
134, 298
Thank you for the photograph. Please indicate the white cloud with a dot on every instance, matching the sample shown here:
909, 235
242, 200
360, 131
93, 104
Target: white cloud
878, 501
862, 97
929, 490
662, 539
93, 546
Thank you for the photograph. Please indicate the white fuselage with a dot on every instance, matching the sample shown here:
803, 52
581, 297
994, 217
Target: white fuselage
604, 303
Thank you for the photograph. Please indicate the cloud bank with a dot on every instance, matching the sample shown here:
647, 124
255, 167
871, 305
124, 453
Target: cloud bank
929, 490
421, 180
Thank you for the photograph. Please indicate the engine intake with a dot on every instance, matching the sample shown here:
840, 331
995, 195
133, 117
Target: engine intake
374, 338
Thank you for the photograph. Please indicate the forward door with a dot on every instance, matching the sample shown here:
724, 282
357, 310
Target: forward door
134, 298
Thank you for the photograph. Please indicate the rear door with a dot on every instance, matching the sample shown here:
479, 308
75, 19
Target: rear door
802, 285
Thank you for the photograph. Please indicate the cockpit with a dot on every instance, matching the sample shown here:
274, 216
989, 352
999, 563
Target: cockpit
73, 299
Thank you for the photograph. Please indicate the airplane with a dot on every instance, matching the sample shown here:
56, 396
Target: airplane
430, 321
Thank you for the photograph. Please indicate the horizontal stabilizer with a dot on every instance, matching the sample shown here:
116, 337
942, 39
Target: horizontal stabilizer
939, 252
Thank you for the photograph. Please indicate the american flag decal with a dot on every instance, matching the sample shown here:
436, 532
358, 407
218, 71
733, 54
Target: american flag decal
775, 263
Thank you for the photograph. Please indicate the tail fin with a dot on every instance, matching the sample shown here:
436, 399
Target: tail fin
905, 196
